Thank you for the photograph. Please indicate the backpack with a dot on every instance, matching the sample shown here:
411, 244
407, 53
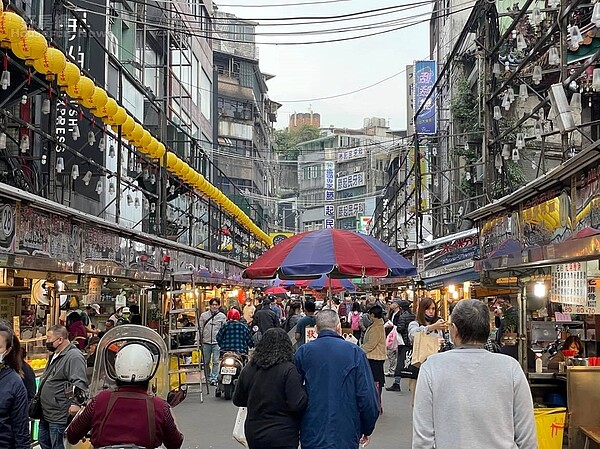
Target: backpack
355, 321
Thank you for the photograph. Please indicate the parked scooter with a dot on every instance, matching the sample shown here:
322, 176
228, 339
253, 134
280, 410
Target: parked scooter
104, 374
230, 368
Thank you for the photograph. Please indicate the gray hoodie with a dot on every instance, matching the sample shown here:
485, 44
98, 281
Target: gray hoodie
66, 367
210, 325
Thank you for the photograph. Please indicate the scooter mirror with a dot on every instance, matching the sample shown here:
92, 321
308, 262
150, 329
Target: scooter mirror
177, 395
76, 394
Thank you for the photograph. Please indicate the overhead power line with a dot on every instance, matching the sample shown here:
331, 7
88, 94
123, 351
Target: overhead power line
281, 5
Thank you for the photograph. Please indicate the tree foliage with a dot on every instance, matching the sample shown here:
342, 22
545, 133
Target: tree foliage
286, 140
464, 108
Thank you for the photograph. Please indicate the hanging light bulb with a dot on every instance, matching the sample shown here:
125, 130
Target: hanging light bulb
152, 179
510, 92
146, 174
111, 188
5, 79
172, 190
2, 141
496, 70
46, 106
520, 143
75, 172
537, 74
576, 102
136, 203
553, 3
468, 176
521, 43
91, 138
498, 163
553, 56
536, 16
24, 99
538, 130
111, 151
523, 92
60, 164
596, 14
129, 200
44, 159
497, 113
152, 207
102, 144
505, 102
24, 145
87, 178
99, 187
76, 134
515, 154
575, 37
145, 203
138, 167
596, 78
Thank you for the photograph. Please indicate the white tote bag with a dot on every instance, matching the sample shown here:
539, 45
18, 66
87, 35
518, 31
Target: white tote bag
238, 428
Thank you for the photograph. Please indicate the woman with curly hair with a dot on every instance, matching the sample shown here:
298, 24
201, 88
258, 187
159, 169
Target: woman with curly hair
271, 389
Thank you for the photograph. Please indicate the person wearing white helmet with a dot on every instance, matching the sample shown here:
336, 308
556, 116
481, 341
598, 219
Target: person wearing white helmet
149, 420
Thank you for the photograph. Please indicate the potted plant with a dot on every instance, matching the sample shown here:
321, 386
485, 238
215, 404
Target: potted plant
154, 317
510, 335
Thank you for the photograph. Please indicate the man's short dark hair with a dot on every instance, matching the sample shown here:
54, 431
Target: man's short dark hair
472, 321
376, 311
59, 331
310, 306
216, 301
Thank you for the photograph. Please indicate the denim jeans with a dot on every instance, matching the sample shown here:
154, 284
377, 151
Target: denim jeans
211, 354
51, 436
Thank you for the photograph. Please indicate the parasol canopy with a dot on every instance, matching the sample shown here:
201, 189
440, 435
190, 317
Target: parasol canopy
319, 284
276, 290
333, 252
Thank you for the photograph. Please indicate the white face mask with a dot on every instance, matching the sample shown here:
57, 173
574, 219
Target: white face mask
2, 357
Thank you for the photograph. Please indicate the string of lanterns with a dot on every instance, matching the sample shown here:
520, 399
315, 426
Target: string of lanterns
32, 47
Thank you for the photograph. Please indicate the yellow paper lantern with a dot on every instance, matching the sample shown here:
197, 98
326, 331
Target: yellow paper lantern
118, 118
136, 134
98, 99
160, 152
178, 166
31, 46
12, 28
83, 89
146, 138
51, 64
109, 109
171, 160
69, 76
152, 147
127, 126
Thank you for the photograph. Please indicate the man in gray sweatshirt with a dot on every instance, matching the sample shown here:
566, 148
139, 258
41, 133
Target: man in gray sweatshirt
469, 397
67, 366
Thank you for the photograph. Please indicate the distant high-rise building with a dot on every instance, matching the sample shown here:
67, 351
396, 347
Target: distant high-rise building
307, 118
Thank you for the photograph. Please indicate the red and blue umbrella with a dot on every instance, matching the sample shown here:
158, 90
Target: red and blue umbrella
333, 252
318, 284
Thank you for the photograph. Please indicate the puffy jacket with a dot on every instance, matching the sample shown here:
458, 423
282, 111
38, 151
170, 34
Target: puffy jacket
374, 341
210, 326
14, 416
402, 325
341, 393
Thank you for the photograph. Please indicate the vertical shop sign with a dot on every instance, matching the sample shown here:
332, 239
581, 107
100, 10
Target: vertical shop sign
329, 209
569, 284
425, 77
7, 230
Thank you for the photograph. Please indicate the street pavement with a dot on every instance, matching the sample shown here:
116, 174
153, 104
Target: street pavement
209, 425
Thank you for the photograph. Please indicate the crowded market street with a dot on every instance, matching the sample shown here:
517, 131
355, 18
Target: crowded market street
208, 425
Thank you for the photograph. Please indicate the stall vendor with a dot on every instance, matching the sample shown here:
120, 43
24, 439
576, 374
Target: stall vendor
572, 343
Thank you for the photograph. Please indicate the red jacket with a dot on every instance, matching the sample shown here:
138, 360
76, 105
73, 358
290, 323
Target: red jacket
127, 422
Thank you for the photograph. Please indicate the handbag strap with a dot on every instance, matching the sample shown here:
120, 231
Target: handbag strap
150, 411
45, 376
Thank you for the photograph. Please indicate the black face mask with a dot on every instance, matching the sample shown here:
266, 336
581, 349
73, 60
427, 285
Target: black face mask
429, 319
50, 346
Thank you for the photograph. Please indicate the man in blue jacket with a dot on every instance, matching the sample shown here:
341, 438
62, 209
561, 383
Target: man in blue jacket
343, 403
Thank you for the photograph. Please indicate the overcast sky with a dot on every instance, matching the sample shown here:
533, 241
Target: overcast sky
322, 70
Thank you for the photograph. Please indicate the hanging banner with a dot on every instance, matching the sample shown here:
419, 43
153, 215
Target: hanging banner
569, 284
546, 219
425, 77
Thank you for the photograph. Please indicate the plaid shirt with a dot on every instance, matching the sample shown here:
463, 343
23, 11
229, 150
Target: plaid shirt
235, 336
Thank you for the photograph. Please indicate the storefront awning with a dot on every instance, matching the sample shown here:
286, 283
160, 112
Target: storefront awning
457, 277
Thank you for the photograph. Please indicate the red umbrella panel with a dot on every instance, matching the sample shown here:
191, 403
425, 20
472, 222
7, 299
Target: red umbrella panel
276, 291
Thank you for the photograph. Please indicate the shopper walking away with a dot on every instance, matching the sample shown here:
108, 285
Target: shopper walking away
392, 320
67, 366
342, 399
271, 389
308, 320
496, 396
403, 319
354, 319
374, 347
14, 405
264, 319
210, 324
234, 335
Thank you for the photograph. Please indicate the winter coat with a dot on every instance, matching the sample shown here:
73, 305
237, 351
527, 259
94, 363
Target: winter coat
374, 341
210, 326
275, 399
343, 402
78, 334
402, 325
14, 415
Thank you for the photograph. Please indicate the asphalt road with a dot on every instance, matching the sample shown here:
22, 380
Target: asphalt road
209, 425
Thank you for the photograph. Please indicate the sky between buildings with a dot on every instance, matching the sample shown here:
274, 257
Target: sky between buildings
307, 72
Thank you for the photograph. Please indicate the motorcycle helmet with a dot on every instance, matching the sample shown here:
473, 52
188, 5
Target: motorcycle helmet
134, 363
233, 314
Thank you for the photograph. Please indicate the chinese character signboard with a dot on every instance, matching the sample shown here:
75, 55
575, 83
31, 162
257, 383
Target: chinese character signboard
569, 284
350, 210
329, 195
364, 225
351, 153
425, 77
329, 210
329, 175
351, 181
329, 223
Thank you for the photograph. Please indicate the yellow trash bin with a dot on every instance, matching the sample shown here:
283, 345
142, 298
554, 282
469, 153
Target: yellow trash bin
175, 380
550, 424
